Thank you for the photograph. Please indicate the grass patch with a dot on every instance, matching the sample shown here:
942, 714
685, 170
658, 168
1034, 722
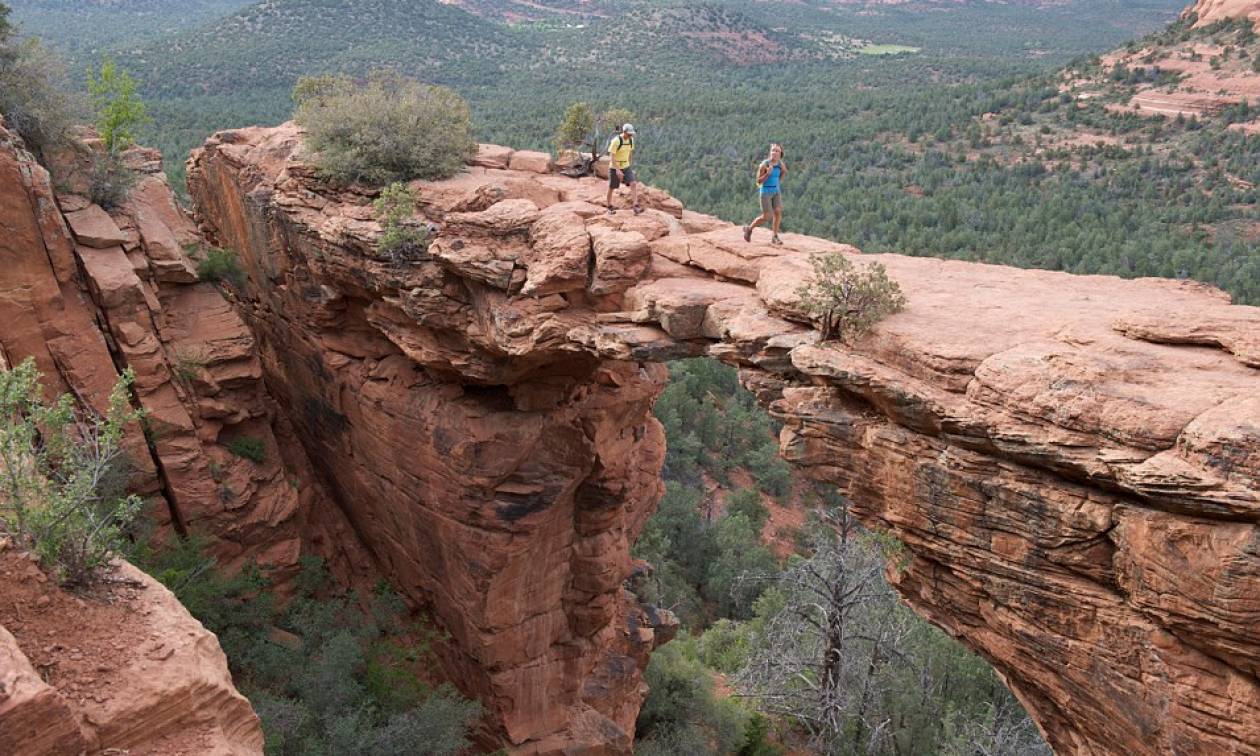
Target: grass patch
888, 50
187, 366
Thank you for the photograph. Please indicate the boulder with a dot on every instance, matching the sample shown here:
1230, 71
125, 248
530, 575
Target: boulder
559, 255
530, 162
493, 156
621, 259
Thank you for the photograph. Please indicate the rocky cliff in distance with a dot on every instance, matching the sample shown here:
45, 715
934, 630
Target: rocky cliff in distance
1212, 11
1073, 463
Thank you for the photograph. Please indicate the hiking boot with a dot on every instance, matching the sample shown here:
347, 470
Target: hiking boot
747, 233
638, 210
611, 211
776, 241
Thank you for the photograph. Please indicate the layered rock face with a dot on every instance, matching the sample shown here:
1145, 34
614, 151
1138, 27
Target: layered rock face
1072, 462
88, 293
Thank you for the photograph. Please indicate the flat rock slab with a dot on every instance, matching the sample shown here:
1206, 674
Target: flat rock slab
93, 227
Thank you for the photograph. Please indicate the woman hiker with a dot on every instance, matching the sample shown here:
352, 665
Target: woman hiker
769, 174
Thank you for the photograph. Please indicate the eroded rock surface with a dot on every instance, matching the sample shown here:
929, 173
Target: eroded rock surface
132, 673
1073, 462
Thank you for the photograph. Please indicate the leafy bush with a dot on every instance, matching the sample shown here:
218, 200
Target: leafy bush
386, 129
221, 265
34, 94
756, 739
747, 502
119, 109
681, 713
111, 181
395, 208
846, 301
62, 478
249, 447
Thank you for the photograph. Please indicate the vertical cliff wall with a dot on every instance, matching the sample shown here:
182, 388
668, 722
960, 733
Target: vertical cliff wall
1072, 462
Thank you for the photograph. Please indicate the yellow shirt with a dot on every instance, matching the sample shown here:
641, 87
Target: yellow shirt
619, 152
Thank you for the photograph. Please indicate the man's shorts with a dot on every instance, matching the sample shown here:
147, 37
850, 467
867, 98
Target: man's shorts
614, 177
771, 202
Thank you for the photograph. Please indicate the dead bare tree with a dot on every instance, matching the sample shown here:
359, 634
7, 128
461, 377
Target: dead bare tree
858, 673
819, 652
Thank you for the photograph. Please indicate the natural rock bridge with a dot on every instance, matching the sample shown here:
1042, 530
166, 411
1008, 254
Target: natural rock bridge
1073, 462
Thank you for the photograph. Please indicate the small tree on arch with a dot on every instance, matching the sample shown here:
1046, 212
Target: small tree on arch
584, 130
846, 300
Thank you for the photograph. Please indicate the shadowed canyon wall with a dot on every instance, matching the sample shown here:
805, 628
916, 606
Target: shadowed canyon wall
1073, 463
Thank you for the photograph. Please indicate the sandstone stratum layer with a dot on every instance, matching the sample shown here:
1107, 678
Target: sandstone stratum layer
1072, 462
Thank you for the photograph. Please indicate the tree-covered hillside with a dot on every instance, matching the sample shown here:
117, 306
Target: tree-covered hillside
86, 27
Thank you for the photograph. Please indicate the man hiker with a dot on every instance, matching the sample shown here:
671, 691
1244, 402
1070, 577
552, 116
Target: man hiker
620, 151
769, 174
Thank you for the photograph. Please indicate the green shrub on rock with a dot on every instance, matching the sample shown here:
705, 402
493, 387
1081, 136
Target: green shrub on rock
400, 240
119, 110
221, 265
386, 129
35, 99
111, 181
846, 300
251, 448
62, 477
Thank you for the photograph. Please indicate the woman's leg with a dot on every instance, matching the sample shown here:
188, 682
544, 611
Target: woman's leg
765, 214
778, 218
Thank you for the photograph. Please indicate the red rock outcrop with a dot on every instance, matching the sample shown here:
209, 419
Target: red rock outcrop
1072, 462
496, 472
132, 673
1208, 12
88, 293
1207, 79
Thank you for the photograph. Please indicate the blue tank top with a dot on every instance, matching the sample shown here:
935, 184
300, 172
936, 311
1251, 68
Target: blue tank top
771, 184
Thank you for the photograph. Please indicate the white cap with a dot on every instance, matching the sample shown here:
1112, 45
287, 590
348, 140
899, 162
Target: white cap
628, 128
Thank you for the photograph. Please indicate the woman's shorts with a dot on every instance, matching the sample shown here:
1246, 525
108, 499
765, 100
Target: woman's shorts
771, 202
614, 177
